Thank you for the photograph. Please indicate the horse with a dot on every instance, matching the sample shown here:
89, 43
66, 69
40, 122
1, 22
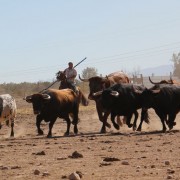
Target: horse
60, 76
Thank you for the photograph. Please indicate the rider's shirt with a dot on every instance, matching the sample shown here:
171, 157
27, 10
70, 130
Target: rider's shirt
69, 73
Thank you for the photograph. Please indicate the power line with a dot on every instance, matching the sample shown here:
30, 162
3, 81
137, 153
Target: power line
114, 58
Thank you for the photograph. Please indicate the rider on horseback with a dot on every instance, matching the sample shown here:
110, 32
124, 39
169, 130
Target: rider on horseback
71, 74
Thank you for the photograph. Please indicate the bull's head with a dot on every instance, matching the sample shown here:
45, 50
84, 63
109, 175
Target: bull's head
147, 96
96, 84
38, 101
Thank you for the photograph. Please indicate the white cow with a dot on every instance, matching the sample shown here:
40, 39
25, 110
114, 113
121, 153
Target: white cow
8, 111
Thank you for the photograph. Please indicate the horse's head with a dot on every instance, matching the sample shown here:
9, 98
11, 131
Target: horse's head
60, 76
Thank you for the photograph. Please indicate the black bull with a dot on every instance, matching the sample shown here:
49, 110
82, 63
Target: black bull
96, 84
121, 99
165, 100
53, 104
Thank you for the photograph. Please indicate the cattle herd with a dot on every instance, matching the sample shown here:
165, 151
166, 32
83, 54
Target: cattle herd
114, 95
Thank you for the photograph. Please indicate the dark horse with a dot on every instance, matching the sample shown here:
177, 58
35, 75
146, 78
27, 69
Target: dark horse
60, 76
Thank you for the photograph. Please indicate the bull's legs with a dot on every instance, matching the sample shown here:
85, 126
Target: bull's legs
171, 119
113, 121
128, 121
144, 116
103, 129
38, 123
52, 121
12, 128
119, 122
163, 119
75, 123
102, 118
68, 121
75, 118
135, 120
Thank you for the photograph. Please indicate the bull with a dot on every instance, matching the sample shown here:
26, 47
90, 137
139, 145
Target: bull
165, 100
98, 84
53, 104
8, 111
170, 81
120, 99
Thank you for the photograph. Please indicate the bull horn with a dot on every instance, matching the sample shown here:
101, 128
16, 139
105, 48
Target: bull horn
28, 98
84, 80
152, 81
114, 93
97, 93
46, 96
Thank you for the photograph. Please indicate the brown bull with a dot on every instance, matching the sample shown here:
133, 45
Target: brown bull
99, 83
53, 104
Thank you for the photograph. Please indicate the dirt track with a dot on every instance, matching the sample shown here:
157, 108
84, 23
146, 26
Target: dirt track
120, 154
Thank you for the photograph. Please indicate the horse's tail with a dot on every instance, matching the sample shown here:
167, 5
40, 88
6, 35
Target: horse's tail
83, 100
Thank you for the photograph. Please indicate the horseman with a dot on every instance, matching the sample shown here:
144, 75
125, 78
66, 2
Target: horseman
70, 74
67, 79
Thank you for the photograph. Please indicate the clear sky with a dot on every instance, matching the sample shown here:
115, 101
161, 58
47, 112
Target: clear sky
39, 37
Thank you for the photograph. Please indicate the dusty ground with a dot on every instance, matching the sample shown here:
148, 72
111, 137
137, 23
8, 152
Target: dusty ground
120, 154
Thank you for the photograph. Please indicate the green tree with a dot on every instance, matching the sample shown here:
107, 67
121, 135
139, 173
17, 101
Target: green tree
176, 61
89, 72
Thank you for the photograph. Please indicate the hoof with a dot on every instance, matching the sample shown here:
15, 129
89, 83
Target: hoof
66, 134
134, 128
12, 135
138, 129
130, 125
108, 125
171, 125
164, 130
40, 132
75, 131
116, 126
103, 131
49, 136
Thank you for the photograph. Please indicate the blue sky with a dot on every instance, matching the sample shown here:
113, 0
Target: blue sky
40, 37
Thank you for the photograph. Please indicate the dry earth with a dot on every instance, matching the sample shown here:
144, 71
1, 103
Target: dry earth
122, 154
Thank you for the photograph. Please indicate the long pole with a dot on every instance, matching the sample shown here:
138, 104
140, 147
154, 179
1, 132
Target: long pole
80, 62
57, 80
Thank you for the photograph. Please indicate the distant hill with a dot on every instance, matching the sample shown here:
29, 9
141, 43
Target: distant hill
163, 70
